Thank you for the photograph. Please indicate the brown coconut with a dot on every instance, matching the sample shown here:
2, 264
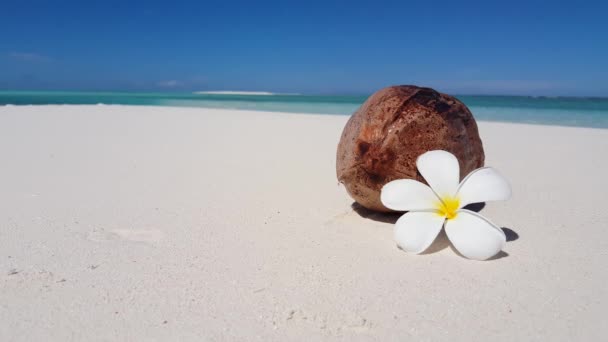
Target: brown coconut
382, 139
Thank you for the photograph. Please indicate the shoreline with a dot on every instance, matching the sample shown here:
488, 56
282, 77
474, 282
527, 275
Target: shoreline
228, 110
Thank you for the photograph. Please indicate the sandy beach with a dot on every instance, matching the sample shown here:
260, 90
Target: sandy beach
135, 223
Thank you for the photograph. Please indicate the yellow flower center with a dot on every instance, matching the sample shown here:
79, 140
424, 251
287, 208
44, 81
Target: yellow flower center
447, 207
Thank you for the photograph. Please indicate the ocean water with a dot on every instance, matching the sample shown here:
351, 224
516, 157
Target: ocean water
563, 111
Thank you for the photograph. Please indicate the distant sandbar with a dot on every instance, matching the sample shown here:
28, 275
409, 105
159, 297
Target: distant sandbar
233, 92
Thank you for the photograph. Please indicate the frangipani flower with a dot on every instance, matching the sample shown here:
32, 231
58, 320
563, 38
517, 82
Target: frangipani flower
431, 208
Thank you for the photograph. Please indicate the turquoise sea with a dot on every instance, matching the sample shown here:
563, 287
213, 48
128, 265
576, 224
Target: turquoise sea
563, 111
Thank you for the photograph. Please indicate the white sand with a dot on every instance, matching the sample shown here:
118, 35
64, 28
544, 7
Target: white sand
152, 223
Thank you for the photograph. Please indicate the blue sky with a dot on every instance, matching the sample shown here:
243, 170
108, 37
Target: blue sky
506, 47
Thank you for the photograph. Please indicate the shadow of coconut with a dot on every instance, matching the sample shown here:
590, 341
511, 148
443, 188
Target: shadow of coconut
375, 215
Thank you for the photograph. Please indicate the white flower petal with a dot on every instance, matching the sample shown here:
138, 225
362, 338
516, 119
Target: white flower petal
483, 185
441, 171
408, 194
415, 231
474, 236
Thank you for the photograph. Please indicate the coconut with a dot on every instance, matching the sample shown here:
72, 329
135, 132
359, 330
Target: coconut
383, 138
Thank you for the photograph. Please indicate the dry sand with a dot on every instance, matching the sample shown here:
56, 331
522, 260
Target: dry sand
156, 223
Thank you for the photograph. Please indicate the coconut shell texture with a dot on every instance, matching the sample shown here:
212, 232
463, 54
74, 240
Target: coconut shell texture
383, 138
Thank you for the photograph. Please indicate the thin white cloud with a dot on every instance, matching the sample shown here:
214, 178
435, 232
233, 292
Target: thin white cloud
513, 87
28, 57
169, 84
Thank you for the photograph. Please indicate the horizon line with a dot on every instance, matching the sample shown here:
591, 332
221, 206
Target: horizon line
267, 93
